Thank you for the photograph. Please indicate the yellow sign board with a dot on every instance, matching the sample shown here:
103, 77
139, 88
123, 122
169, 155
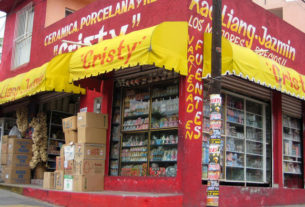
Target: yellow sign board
52, 76
245, 63
164, 45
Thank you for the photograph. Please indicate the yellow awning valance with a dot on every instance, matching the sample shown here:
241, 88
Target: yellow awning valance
164, 45
52, 76
245, 63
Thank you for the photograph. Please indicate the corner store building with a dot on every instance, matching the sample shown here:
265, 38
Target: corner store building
244, 23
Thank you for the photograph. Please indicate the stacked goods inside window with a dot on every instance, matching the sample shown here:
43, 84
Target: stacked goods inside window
246, 140
292, 151
147, 139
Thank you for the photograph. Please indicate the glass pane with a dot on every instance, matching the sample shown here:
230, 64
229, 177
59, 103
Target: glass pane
165, 107
163, 153
136, 109
134, 154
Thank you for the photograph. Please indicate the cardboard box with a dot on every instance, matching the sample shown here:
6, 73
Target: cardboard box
4, 148
69, 123
19, 146
70, 136
91, 119
48, 180
3, 158
15, 175
60, 163
6, 137
89, 167
89, 151
83, 183
68, 182
68, 167
69, 152
18, 160
91, 135
59, 179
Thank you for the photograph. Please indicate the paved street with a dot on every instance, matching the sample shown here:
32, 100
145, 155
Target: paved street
9, 199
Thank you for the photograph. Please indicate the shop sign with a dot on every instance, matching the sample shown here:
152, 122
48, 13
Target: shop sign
248, 25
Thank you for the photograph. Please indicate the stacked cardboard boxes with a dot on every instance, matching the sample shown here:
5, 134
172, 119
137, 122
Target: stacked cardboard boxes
15, 158
81, 164
69, 126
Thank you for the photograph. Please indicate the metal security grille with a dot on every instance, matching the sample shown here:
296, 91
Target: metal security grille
291, 106
247, 88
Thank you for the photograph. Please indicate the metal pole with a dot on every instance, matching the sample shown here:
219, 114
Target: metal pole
215, 142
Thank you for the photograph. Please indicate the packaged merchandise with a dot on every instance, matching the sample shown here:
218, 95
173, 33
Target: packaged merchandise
71, 136
87, 166
88, 182
19, 146
59, 179
16, 175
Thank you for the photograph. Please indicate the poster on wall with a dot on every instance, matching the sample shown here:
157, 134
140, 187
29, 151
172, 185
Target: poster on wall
215, 146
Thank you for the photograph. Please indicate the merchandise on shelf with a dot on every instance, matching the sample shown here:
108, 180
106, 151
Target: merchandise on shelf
163, 154
134, 170
136, 124
134, 140
164, 139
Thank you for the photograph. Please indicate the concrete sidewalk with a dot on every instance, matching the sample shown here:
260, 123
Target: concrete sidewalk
10, 199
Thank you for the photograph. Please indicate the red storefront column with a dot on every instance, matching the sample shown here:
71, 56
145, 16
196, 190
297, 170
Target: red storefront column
303, 136
277, 139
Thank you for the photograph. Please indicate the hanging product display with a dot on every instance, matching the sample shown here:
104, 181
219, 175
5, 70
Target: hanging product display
40, 139
22, 120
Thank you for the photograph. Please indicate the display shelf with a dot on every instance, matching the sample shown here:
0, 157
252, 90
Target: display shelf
293, 173
236, 123
293, 128
174, 161
253, 154
61, 140
235, 151
55, 133
293, 140
244, 137
149, 117
164, 145
292, 161
291, 156
136, 116
134, 161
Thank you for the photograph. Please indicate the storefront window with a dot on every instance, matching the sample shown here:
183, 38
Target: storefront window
246, 139
145, 130
292, 152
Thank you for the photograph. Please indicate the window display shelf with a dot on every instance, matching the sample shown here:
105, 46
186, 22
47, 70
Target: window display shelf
234, 137
236, 123
255, 127
292, 161
253, 154
293, 140
137, 161
234, 166
134, 146
244, 156
254, 168
251, 140
163, 161
292, 128
291, 156
149, 130
163, 145
232, 108
292, 173
235, 151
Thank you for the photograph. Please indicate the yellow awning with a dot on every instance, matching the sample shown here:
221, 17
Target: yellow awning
164, 45
52, 76
245, 63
